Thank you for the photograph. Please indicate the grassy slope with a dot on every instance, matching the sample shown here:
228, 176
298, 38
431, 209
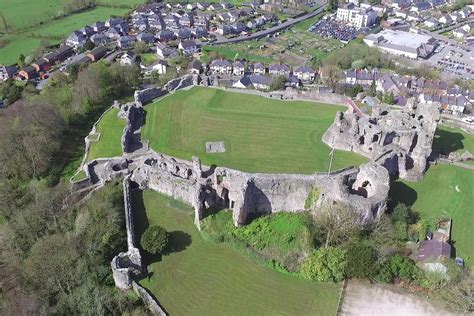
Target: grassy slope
110, 128
260, 134
449, 140
435, 196
211, 279
24, 13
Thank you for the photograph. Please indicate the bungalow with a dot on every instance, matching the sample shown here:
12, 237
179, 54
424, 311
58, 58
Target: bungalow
29, 72
279, 70
224, 29
41, 65
76, 39
259, 69
238, 68
189, 47
165, 35
100, 39
129, 58
221, 66
7, 72
195, 67
97, 53
304, 73
164, 51
98, 27
125, 42
146, 38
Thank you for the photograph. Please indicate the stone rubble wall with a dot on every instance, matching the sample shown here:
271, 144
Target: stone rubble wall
150, 302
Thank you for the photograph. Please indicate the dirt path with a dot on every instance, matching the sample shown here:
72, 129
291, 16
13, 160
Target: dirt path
369, 299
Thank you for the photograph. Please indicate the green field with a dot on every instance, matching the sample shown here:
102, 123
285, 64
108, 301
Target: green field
53, 32
260, 134
204, 278
110, 128
25, 13
448, 140
436, 196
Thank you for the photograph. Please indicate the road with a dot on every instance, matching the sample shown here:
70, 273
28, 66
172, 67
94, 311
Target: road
445, 39
271, 30
452, 27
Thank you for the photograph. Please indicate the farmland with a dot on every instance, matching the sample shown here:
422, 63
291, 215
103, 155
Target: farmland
260, 134
203, 278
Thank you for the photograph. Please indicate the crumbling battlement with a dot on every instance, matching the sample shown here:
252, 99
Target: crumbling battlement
399, 140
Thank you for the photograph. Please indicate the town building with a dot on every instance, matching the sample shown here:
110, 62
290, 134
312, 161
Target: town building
356, 16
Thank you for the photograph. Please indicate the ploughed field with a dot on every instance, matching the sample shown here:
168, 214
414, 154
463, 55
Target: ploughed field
260, 134
200, 277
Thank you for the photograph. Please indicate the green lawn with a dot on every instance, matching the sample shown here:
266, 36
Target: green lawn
448, 140
110, 128
436, 196
24, 13
260, 134
204, 278
233, 52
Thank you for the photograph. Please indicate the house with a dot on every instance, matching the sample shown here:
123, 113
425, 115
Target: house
98, 27
146, 38
125, 42
270, 17
100, 39
199, 32
195, 67
445, 19
122, 28
460, 33
186, 21
224, 29
41, 65
165, 35
7, 72
189, 47
184, 33
216, 6
259, 69
155, 21
112, 22
431, 23
141, 24
433, 250
112, 33
279, 70
29, 72
201, 21
221, 66
385, 84
191, 6
238, 68
253, 81
238, 27
87, 31
202, 5
97, 53
420, 7
76, 39
159, 67
129, 58
304, 73
59, 55
164, 51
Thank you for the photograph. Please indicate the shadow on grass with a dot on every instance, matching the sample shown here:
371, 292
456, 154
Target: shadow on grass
401, 193
446, 142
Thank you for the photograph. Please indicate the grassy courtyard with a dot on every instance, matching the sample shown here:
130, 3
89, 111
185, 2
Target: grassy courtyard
448, 140
260, 134
204, 278
446, 191
110, 128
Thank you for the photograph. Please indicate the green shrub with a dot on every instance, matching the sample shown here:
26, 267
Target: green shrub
361, 259
155, 239
325, 265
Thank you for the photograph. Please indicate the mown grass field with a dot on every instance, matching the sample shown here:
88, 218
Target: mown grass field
53, 32
204, 278
448, 140
437, 196
110, 128
260, 134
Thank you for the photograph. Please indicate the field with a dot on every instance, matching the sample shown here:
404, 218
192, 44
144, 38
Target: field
110, 128
448, 140
204, 278
51, 32
260, 134
445, 191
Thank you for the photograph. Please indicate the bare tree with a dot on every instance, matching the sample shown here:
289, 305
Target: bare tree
331, 75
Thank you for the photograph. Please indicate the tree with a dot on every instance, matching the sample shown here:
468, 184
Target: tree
358, 64
140, 47
335, 224
325, 265
88, 45
21, 61
355, 90
372, 89
278, 83
154, 239
331, 75
388, 98
361, 259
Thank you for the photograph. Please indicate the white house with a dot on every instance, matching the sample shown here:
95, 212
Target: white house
129, 58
